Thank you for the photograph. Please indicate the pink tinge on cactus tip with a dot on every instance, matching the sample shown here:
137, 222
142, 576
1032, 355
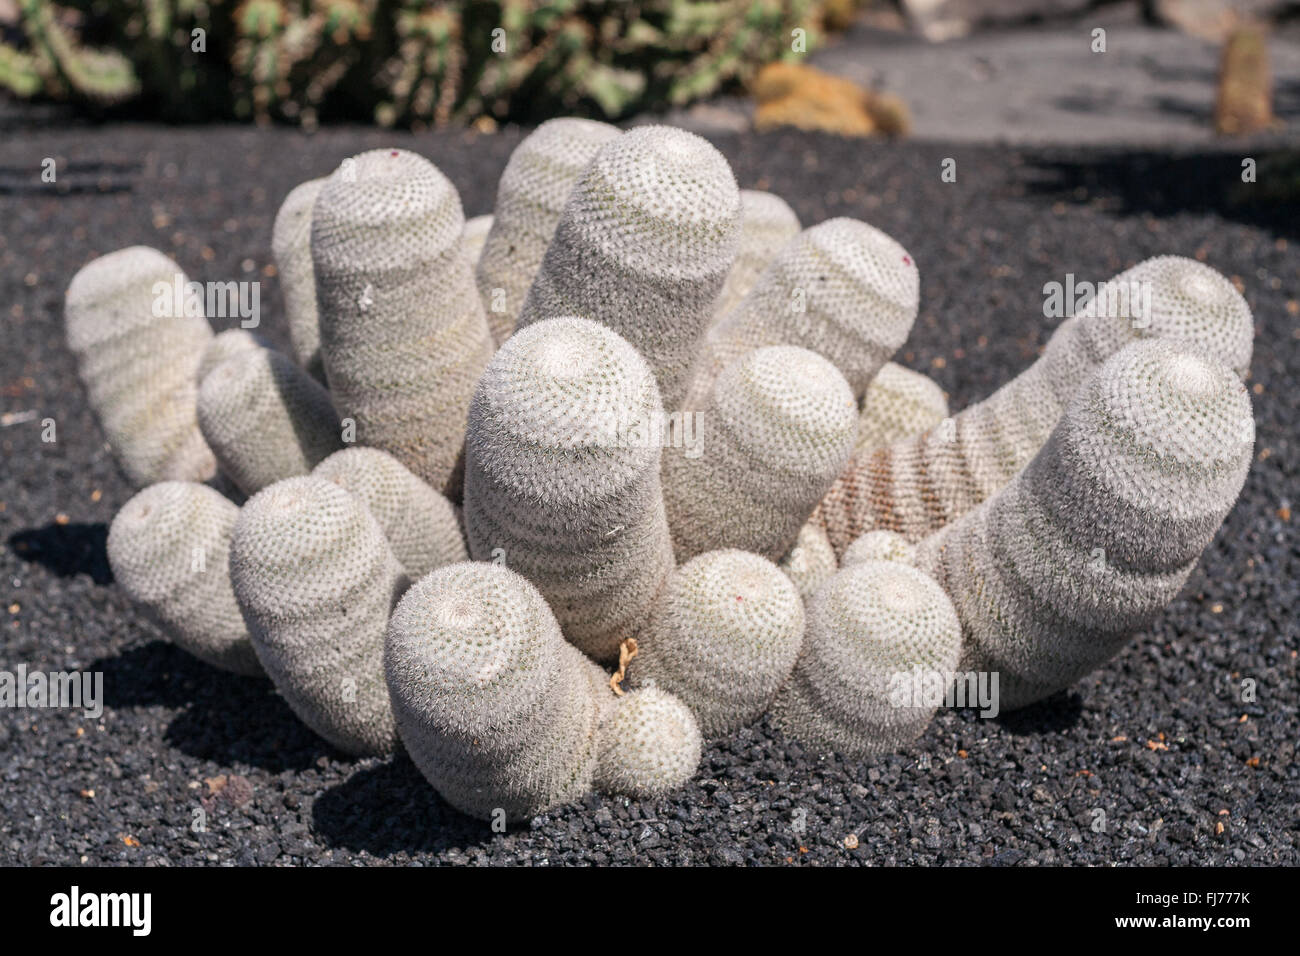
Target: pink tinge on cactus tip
907, 260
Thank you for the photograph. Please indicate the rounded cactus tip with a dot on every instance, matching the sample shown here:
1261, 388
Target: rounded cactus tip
650, 745
879, 546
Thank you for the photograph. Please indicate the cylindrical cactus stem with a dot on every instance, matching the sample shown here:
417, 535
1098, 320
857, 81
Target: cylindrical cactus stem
767, 224
779, 427
472, 238
723, 637
226, 345
879, 546
881, 638
643, 247
421, 525
266, 419
917, 486
562, 477
1098, 534
842, 289
169, 549
496, 710
899, 404
403, 335
137, 356
291, 249
316, 581
531, 197
650, 745
811, 561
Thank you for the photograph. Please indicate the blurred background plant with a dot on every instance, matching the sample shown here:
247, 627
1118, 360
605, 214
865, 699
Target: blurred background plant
396, 62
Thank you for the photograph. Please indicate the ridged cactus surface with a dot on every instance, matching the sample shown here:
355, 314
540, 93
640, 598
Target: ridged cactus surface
226, 345
169, 549
403, 335
842, 288
918, 486
138, 366
767, 224
316, 580
266, 419
644, 246
556, 485
779, 427
899, 404
879, 546
291, 249
650, 745
1099, 533
723, 636
531, 196
496, 709
871, 628
421, 525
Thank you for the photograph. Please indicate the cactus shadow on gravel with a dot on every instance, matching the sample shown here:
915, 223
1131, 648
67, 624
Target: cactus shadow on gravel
67, 550
225, 718
390, 808
1052, 715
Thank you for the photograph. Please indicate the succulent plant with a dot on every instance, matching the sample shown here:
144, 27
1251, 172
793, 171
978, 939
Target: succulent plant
421, 526
767, 224
916, 487
871, 630
722, 638
316, 580
811, 562
842, 288
1098, 534
226, 345
643, 246
138, 359
879, 546
531, 197
779, 428
650, 745
168, 548
402, 332
473, 236
561, 482
899, 404
291, 249
265, 419
496, 710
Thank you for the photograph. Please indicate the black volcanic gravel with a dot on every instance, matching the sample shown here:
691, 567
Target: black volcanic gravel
1159, 740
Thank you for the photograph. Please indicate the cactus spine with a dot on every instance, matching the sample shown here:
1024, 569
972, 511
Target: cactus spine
767, 224
811, 562
403, 335
555, 484
643, 246
291, 249
316, 581
650, 745
169, 547
472, 238
899, 404
138, 361
225, 345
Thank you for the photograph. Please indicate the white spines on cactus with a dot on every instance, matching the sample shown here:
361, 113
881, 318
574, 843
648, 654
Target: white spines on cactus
650, 745
881, 636
496, 710
421, 525
899, 404
723, 637
842, 288
562, 478
779, 427
917, 486
226, 345
316, 580
1098, 534
811, 562
291, 249
767, 224
879, 546
473, 236
137, 356
644, 245
403, 335
531, 196
168, 548
266, 419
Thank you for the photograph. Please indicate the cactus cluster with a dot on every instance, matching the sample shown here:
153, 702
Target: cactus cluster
663, 465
